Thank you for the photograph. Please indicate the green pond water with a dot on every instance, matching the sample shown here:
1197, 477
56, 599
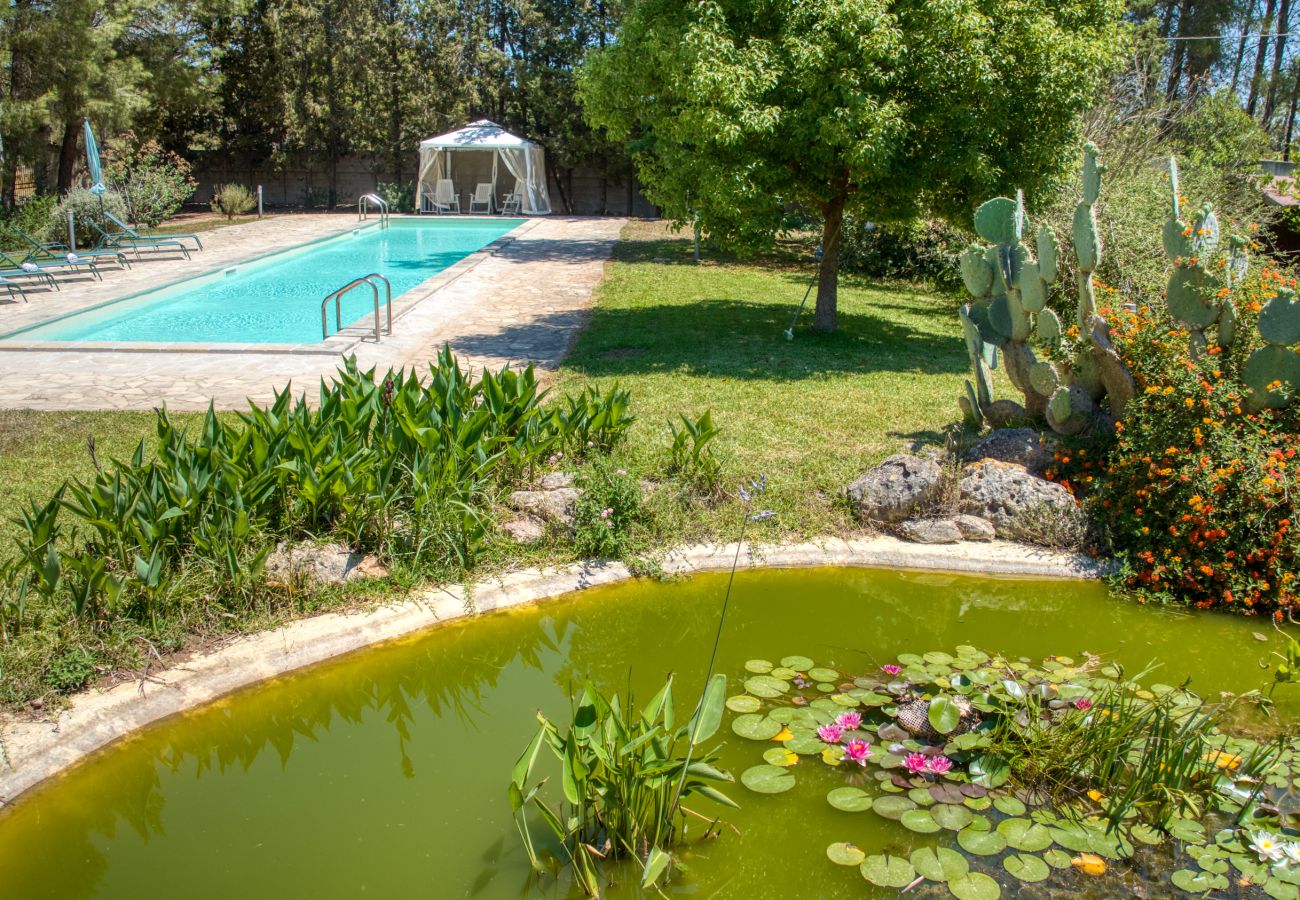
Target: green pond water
383, 774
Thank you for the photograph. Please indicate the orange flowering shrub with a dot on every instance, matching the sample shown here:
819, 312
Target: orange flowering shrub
1201, 497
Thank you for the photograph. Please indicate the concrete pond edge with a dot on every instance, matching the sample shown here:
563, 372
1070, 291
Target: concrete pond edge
33, 751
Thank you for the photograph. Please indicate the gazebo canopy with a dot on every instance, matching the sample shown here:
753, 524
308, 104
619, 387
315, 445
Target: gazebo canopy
522, 158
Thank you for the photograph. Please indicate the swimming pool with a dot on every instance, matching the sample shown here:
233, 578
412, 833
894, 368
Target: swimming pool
277, 299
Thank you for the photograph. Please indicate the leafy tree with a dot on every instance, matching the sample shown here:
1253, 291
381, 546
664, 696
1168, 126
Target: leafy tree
737, 109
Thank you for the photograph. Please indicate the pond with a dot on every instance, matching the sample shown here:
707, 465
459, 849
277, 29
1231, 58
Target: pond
384, 773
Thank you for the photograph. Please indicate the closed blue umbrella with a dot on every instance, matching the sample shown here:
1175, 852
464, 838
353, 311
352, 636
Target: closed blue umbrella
92, 162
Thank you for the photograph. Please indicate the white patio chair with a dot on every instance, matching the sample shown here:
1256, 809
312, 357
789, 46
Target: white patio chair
482, 197
511, 202
445, 198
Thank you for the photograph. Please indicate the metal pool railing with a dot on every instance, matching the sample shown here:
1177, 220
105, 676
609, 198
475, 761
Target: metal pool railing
337, 297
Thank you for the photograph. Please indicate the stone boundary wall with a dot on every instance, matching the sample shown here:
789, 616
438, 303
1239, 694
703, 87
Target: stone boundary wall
37, 750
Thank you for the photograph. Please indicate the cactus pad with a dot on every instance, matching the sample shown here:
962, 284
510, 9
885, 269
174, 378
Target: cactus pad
1279, 320
1070, 410
1048, 328
1033, 290
995, 221
1273, 375
1092, 172
1190, 294
976, 272
1176, 212
1177, 244
1087, 242
1049, 254
1044, 377
1205, 230
970, 411
983, 384
1227, 332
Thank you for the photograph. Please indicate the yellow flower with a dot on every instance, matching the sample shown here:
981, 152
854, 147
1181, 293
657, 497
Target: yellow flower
1089, 864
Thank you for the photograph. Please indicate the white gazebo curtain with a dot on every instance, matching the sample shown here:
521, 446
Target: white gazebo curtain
522, 159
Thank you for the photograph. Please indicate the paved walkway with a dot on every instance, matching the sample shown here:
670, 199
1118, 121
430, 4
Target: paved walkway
521, 303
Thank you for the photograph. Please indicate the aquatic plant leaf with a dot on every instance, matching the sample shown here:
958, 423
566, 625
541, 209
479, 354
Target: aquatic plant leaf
1026, 867
1025, 835
980, 842
655, 864
708, 715
1009, 805
1188, 830
766, 686
888, 871
849, 799
758, 666
779, 756
989, 770
844, 854
1057, 859
1194, 882
892, 732
819, 673
975, 886
918, 795
767, 779
1072, 836
939, 864
1280, 890
947, 792
979, 804
806, 744
756, 727
831, 757
801, 663
952, 818
891, 807
743, 703
944, 714
919, 820
784, 674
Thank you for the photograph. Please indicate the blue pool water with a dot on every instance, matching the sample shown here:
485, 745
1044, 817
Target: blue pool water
277, 300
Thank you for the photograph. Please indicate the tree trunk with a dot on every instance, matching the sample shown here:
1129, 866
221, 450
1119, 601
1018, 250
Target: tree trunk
1290, 113
1179, 52
1279, 49
68, 154
828, 275
1261, 53
1241, 45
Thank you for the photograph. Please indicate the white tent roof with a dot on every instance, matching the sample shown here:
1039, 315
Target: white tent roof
480, 135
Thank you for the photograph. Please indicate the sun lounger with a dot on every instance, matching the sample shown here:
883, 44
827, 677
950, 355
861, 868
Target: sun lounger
72, 264
36, 272
137, 236
118, 240
53, 250
13, 287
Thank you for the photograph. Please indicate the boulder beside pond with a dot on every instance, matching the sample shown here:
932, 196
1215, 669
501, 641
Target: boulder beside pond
1012, 498
931, 531
1027, 447
895, 490
327, 563
549, 506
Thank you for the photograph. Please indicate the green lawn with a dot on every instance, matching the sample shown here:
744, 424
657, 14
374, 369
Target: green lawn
809, 413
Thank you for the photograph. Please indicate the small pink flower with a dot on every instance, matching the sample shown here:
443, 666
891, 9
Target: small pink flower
891, 669
916, 763
622, 471
1083, 703
857, 751
939, 765
849, 720
606, 513
831, 734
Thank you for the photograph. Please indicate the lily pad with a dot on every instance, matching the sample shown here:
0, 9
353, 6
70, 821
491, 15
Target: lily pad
1187, 830
806, 744
1023, 834
944, 714
801, 663
1057, 858
981, 843
756, 727
783, 673
843, 854
849, 799
743, 703
766, 686
1194, 882
780, 756
819, 673
1280, 890
979, 804
767, 779
975, 886
1027, 868
758, 666
919, 820
892, 807
1009, 805
888, 871
989, 770
939, 864
953, 818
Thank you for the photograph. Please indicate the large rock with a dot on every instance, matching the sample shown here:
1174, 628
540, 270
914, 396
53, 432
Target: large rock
553, 481
897, 489
931, 531
1004, 412
973, 528
549, 506
1026, 447
524, 530
334, 563
1012, 498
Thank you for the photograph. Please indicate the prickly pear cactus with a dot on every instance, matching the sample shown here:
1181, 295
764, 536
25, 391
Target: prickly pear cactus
1273, 371
1011, 285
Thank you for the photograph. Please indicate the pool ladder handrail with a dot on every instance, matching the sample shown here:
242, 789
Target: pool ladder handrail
376, 200
337, 297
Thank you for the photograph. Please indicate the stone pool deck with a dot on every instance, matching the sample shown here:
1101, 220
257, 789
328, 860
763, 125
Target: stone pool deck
34, 750
520, 301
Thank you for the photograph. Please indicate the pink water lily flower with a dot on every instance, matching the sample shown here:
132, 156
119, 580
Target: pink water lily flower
891, 669
1083, 703
849, 720
939, 765
831, 734
857, 751
916, 763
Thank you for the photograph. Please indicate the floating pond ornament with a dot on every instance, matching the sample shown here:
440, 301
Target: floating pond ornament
1017, 774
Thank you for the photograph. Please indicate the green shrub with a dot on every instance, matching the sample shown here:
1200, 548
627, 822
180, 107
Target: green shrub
921, 250
85, 208
691, 456
607, 509
153, 182
233, 200
399, 197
